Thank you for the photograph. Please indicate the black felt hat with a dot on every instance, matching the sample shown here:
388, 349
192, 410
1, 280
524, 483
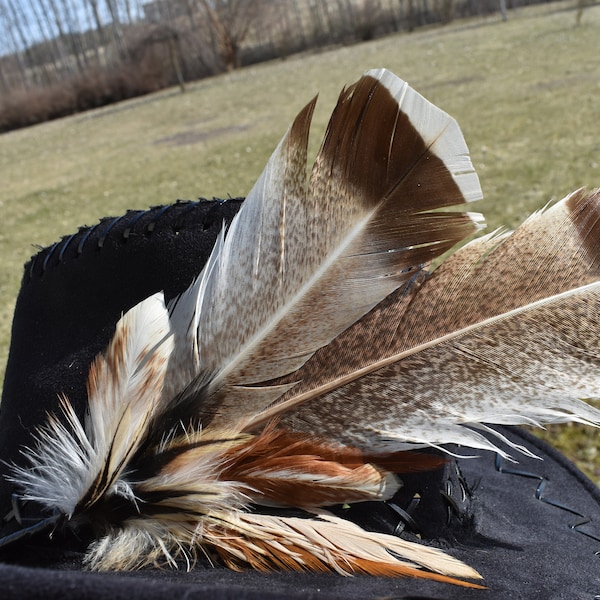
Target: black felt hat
531, 529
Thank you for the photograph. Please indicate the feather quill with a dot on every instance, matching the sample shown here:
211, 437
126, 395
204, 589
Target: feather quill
314, 348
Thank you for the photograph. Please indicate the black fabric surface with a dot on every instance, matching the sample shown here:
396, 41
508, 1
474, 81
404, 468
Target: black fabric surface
531, 529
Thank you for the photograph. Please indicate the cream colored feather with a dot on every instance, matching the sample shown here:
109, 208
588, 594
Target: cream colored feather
73, 465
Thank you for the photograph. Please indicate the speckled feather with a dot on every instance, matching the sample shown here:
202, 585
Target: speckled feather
504, 331
308, 261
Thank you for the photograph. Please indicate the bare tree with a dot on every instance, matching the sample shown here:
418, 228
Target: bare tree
411, 16
299, 24
20, 40
71, 10
7, 18
445, 10
57, 17
51, 65
94, 12
231, 21
128, 11
195, 31
115, 26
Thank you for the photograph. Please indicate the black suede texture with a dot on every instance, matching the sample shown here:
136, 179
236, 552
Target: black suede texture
532, 529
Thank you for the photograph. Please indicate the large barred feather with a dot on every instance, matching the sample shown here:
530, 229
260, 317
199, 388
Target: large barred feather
314, 349
313, 259
505, 331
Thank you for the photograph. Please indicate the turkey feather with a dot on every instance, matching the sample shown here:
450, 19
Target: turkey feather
502, 332
314, 258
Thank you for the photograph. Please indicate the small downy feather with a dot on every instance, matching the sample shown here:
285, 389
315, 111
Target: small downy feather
315, 348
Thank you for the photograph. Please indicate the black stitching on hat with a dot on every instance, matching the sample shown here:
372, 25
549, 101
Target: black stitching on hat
150, 227
104, 228
107, 231
451, 504
406, 518
465, 489
85, 238
128, 230
31, 267
50, 252
65, 245
539, 495
179, 223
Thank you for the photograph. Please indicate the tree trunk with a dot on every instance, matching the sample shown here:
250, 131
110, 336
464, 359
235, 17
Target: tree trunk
175, 58
115, 26
20, 43
581, 5
49, 40
503, 10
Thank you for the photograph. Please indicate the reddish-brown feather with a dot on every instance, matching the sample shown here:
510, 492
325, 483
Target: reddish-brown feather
296, 470
371, 567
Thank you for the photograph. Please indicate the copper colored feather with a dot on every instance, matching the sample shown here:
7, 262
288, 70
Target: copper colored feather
315, 353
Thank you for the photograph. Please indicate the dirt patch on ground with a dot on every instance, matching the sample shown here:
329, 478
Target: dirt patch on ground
452, 82
571, 80
186, 138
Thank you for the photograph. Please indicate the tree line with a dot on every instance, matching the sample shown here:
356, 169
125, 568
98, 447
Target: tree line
64, 56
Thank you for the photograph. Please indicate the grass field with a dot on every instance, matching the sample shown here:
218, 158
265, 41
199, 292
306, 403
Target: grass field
526, 93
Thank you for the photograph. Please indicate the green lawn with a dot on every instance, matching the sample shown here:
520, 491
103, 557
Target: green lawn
526, 93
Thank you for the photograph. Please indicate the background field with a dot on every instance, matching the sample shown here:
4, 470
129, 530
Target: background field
526, 93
